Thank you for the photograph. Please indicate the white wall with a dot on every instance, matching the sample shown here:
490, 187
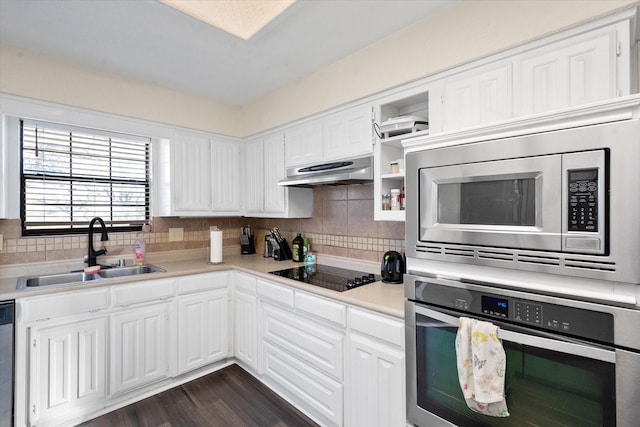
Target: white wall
466, 31
38, 76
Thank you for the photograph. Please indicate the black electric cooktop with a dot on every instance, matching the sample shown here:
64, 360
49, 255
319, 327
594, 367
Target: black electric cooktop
335, 278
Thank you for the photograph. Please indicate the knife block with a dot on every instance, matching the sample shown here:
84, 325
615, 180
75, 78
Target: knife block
282, 252
247, 244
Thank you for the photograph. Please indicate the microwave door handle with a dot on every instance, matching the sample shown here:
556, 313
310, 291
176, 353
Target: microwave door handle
581, 350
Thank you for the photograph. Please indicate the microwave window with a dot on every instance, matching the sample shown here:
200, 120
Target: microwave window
508, 202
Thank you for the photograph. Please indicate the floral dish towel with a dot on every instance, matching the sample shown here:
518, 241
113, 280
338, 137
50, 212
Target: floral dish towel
482, 365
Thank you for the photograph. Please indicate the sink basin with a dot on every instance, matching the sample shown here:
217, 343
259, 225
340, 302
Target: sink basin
79, 277
129, 271
54, 279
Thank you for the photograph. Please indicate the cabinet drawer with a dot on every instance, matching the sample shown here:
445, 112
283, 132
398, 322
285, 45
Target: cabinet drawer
277, 293
311, 342
331, 311
65, 304
134, 293
203, 282
378, 326
318, 394
245, 283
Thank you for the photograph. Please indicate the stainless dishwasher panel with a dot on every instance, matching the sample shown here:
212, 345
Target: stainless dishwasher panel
6, 363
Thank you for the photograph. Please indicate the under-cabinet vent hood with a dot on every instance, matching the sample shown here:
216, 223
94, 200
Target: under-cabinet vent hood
343, 172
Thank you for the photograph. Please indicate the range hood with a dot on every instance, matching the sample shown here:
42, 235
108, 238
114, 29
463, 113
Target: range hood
343, 172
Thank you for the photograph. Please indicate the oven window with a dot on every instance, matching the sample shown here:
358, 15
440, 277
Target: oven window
543, 388
504, 202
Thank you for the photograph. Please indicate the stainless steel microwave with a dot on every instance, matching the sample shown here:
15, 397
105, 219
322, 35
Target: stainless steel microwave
562, 202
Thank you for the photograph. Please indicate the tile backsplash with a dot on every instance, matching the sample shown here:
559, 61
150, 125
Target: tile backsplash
342, 225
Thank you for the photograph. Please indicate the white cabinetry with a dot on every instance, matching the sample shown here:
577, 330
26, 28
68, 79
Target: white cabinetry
203, 320
67, 368
139, 339
303, 144
302, 349
61, 355
348, 133
274, 194
578, 70
140, 334
481, 95
245, 331
375, 380
226, 173
264, 165
205, 175
190, 156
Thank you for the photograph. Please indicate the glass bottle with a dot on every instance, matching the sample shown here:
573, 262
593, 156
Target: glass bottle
386, 202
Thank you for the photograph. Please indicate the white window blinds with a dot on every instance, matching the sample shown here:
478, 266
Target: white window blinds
71, 174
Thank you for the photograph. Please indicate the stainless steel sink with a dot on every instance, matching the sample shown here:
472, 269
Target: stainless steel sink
79, 277
54, 279
129, 271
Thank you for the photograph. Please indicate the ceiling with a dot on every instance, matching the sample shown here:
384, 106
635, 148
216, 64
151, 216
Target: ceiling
147, 40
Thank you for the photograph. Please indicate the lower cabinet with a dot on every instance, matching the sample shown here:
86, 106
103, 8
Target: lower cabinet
80, 352
203, 326
139, 346
304, 359
375, 380
67, 368
245, 325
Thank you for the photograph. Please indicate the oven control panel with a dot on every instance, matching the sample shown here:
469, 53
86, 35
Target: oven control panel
528, 312
521, 310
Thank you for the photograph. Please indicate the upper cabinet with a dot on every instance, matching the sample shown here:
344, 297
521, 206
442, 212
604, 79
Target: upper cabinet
264, 165
303, 144
205, 175
480, 95
578, 70
341, 135
348, 133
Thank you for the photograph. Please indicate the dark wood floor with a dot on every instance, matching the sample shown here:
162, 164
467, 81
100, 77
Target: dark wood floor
229, 397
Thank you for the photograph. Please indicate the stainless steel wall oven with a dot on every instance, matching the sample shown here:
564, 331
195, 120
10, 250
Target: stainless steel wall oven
569, 363
530, 225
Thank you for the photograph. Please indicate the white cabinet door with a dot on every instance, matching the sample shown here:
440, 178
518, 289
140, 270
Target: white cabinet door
375, 373
254, 176
478, 96
348, 133
274, 171
202, 329
303, 144
139, 344
190, 161
67, 369
575, 71
375, 384
225, 176
245, 323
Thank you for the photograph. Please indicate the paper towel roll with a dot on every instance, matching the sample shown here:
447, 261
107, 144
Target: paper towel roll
215, 248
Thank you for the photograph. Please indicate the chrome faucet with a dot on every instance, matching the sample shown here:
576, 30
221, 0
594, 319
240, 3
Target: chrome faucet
93, 254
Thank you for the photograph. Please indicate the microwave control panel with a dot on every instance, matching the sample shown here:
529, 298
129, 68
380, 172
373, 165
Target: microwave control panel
583, 200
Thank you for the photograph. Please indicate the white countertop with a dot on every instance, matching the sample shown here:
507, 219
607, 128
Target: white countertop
377, 296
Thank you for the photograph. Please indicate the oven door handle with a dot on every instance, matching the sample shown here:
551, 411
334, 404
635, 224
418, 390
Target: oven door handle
561, 346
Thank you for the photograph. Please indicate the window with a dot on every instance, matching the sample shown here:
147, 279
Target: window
71, 174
